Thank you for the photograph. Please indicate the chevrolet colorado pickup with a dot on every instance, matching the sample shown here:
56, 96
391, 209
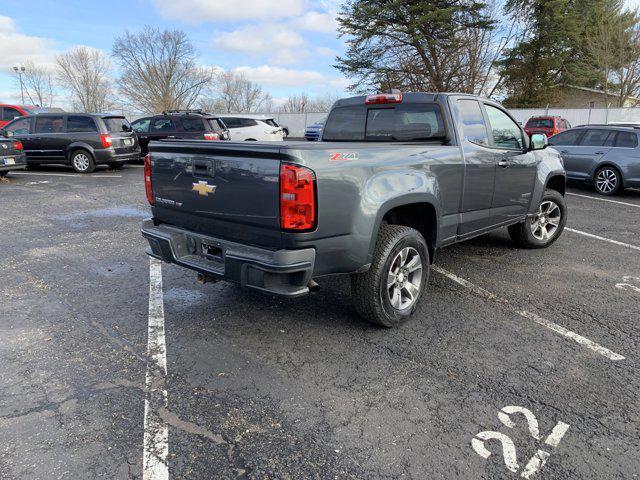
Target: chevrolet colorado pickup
394, 178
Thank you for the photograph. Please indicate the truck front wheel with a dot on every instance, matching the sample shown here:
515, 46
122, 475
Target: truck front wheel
546, 226
390, 291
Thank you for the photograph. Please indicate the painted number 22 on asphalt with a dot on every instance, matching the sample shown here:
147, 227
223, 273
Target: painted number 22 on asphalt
536, 462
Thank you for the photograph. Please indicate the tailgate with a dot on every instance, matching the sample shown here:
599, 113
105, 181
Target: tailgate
7, 152
220, 189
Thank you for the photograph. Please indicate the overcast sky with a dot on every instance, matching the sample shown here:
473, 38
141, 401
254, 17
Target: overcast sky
289, 46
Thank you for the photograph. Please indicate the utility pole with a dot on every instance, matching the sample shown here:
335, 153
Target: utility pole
20, 70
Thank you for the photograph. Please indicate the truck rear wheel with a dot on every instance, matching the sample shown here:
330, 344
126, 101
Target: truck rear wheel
546, 226
390, 291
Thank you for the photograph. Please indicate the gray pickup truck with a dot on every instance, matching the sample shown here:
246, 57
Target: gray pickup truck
395, 177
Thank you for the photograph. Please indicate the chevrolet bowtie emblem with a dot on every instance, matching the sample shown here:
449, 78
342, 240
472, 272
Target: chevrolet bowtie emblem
203, 188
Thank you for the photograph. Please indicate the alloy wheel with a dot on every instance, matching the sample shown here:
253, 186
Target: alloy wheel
404, 278
607, 180
545, 224
81, 162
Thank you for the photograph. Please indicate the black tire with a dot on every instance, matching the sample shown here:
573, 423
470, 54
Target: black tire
4, 174
607, 180
370, 290
523, 233
82, 161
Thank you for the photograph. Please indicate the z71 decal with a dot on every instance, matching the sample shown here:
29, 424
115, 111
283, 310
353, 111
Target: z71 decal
340, 157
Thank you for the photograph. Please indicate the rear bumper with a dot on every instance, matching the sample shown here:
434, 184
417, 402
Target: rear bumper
109, 156
283, 272
19, 162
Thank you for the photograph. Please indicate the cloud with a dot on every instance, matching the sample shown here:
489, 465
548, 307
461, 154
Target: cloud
195, 11
16, 47
280, 44
290, 77
323, 22
326, 52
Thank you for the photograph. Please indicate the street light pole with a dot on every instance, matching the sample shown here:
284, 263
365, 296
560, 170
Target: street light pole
20, 70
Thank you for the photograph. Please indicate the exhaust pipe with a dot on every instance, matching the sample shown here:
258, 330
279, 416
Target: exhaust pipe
313, 286
201, 278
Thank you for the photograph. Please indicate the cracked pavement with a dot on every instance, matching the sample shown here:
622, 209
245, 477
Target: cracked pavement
264, 387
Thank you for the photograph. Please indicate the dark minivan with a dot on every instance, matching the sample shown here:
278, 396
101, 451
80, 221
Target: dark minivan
82, 140
179, 124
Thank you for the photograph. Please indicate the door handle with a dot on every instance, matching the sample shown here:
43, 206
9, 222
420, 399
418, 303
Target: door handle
171, 136
503, 163
599, 153
564, 151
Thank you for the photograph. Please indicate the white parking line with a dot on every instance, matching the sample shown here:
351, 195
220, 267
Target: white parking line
37, 174
597, 237
604, 200
532, 316
156, 431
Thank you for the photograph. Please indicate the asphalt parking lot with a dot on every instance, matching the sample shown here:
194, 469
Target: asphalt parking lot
519, 364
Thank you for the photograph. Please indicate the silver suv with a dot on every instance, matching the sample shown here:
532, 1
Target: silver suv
606, 156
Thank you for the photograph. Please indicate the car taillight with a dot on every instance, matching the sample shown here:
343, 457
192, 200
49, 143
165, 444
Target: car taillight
105, 138
211, 136
147, 178
17, 145
297, 198
383, 98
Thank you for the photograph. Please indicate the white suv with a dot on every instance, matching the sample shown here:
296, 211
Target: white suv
249, 127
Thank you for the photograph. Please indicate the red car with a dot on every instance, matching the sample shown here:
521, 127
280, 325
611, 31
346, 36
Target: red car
9, 112
549, 125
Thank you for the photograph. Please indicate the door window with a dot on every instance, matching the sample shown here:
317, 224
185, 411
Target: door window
19, 127
52, 124
568, 138
506, 133
193, 124
160, 125
141, 126
117, 124
76, 123
596, 138
9, 113
626, 140
473, 126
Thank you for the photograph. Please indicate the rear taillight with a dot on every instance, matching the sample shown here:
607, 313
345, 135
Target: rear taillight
105, 138
17, 145
211, 136
147, 178
297, 198
382, 98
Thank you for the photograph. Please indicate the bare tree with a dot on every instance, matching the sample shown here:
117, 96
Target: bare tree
232, 92
301, 103
38, 84
84, 72
159, 69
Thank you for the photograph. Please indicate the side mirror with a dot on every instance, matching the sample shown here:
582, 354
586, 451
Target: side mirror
5, 133
539, 141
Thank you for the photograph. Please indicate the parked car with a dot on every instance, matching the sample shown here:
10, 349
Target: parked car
606, 156
186, 124
12, 156
395, 178
548, 125
314, 131
252, 128
82, 140
9, 112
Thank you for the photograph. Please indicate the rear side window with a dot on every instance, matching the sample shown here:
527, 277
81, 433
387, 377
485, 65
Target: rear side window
473, 125
76, 123
626, 140
192, 124
568, 138
19, 127
596, 138
247, 122
9, 113
162, 125
117, 124
141, 126
52, 124
215, 124
345, 124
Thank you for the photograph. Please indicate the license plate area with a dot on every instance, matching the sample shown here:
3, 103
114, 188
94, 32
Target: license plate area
128, 142
9, 161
